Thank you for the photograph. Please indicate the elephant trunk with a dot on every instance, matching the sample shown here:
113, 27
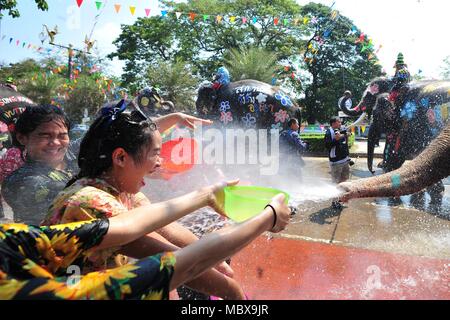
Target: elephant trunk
427, 169
355, 112
168, 105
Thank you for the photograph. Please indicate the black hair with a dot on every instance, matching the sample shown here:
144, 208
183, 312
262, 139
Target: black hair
333, 120
292, 121
130, 131
33, 116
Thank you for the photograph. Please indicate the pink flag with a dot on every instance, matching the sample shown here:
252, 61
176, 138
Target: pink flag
147, 12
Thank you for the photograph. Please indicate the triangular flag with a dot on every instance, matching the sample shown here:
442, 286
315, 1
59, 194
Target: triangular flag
147, 11
117, 7
163, 13
29, 45
286, 21
232, 19
275, 21
23, 44
305, 20
178, 14
218, 19
98, 4
296, 21
255, 19
192, 15
363, 128
17, 42
205, 17
3, 37
79, 2
244, 20
10, 40
132, 10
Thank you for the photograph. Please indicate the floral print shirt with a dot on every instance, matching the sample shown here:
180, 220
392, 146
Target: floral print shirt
34, 264
90, 199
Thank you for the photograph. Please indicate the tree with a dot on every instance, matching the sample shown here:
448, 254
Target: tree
11, 5
175, 82
204, 42
41, 88
336, 59
325, 54
252, 63
445, 73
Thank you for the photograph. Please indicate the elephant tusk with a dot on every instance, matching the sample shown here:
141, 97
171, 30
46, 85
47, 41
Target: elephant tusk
358, 121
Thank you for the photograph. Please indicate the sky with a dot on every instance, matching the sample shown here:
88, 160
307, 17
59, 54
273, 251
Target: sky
417, 28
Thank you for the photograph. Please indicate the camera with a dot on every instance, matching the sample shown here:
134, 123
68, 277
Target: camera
343, 131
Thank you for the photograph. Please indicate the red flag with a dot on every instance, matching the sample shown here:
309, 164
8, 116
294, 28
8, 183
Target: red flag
192, 15
79, 2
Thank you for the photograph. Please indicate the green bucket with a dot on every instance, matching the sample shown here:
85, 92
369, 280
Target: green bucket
245, 202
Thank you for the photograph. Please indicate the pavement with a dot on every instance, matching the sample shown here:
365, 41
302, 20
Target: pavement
372, 249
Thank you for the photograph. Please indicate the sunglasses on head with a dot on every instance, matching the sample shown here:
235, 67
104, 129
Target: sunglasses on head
112, 113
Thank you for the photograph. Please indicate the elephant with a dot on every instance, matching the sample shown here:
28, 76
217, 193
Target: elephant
152, 104
410, 126
428, 168
247, 103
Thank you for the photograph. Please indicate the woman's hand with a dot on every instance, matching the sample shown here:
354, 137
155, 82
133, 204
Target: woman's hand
189, 121
216, 196
282, 212
225, 269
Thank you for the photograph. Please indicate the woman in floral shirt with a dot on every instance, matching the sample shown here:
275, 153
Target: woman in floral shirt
35, 261
117, 152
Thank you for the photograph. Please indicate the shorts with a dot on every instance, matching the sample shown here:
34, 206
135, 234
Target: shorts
340, 172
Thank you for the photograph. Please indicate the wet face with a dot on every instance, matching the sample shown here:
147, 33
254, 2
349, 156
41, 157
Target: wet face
295, 126
47, 143
135, 172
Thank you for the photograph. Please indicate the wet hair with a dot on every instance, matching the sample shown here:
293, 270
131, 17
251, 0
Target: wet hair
334, 120
130, 131
292, 121
34, 116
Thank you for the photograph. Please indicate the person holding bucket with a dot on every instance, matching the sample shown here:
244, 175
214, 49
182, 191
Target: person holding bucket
35, 261
118, 151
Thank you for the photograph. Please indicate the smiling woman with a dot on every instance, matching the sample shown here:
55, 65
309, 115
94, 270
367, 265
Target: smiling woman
42, 132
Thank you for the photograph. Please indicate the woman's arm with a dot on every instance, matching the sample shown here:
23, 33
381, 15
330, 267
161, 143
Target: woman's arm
167, 121
206, 252
140, 221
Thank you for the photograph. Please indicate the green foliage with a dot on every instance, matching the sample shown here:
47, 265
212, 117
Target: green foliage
11, 5
252, 63
445, 73
85, 94
175, 82
316, 141
42, 89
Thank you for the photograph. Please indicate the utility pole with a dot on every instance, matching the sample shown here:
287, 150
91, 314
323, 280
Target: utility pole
70, 50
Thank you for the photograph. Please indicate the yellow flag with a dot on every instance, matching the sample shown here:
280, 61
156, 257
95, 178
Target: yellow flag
132, 10
363, 129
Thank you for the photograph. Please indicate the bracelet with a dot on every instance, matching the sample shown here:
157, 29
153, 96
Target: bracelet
274, 214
